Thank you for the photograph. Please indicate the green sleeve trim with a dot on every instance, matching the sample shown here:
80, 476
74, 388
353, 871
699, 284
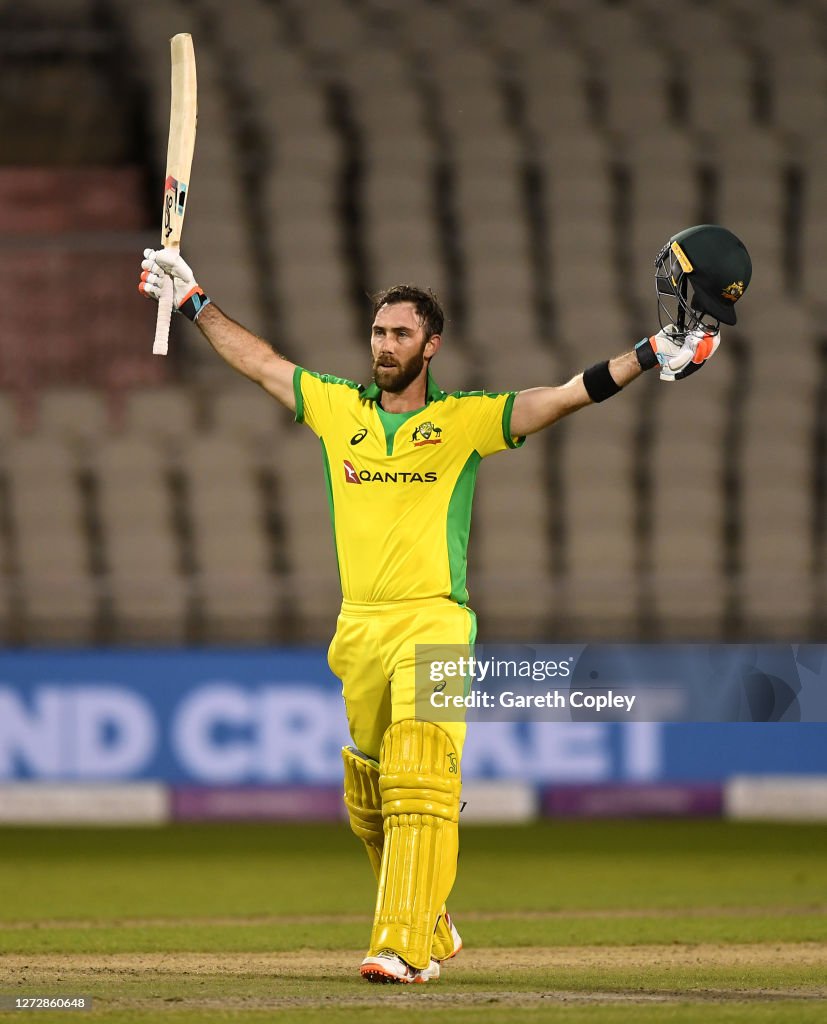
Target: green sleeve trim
331, 507
297, 393
325, 378
458, 527
507, 409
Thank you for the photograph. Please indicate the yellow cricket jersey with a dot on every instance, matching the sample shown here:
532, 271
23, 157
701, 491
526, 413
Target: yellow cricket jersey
400, 485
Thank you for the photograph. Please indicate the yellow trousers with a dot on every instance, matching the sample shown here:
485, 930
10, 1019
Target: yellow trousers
374, 654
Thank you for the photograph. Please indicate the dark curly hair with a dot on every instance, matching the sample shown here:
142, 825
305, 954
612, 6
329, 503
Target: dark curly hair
426, 304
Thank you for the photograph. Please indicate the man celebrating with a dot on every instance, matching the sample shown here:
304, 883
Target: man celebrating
400, 457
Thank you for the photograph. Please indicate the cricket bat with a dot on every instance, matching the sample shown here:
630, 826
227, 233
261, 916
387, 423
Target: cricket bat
183, 115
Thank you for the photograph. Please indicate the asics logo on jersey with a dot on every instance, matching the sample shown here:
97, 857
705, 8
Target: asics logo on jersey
354, 476
359, 436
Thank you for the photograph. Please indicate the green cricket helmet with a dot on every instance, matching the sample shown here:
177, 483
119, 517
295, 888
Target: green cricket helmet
714, 265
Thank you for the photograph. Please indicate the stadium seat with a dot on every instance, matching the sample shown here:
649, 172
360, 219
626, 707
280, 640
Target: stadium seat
510, 578
599, 510
633, 72
235, 581
328, 26
164, 414
813, 225
148, 591
59, 596
8, 417
314, 595
71, 14
247, 414
686, 540
78, 415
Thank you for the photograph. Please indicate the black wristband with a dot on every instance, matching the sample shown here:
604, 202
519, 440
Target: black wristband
599, 383
646, 355
193, 303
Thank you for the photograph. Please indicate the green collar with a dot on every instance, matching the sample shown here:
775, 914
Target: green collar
432, 391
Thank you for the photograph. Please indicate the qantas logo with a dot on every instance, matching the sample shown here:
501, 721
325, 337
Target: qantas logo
351, 476
354, 476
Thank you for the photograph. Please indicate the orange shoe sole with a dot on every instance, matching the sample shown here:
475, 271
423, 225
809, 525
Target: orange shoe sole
375, 974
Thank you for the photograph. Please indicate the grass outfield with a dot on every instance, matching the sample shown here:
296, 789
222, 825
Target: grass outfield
577, 921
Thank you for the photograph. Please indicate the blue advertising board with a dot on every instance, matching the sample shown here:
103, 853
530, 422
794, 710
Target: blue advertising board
229, 717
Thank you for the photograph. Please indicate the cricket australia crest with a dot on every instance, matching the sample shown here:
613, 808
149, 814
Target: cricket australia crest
426, 433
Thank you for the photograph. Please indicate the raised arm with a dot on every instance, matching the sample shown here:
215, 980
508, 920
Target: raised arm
677, 357
243, 350
540, 407
248, 354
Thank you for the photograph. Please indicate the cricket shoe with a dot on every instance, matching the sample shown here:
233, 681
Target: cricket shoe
389, 967
431, 972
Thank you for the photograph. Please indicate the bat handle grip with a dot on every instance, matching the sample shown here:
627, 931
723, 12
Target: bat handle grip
161, 344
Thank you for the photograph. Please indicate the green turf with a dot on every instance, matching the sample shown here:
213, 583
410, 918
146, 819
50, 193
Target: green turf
498, 932
211, 870
230, 890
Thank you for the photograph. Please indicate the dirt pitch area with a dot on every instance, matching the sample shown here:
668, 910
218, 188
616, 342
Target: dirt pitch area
237, 970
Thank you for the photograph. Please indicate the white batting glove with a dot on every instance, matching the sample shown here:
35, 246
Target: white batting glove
682, 355
188, 297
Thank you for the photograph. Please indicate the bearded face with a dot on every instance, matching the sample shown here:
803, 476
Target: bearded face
393, 374
400, 350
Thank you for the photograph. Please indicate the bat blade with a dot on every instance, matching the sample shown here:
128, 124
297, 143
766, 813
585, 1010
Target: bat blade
183, 117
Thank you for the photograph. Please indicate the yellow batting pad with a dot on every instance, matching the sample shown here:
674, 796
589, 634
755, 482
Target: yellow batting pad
364, 803
420, 786
364, 808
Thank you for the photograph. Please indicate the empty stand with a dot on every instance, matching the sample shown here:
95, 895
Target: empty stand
809, 282
602, 589
401, 229
525, 160
248, 415
629, 75
164, 415
64, 225
685, 536
58, 595
148, 591
301, 192
217, 233
510, 580
79, 416
777, 470
313, 591
234, 576
8, 418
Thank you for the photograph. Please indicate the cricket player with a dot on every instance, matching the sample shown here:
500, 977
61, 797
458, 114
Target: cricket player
400, 457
